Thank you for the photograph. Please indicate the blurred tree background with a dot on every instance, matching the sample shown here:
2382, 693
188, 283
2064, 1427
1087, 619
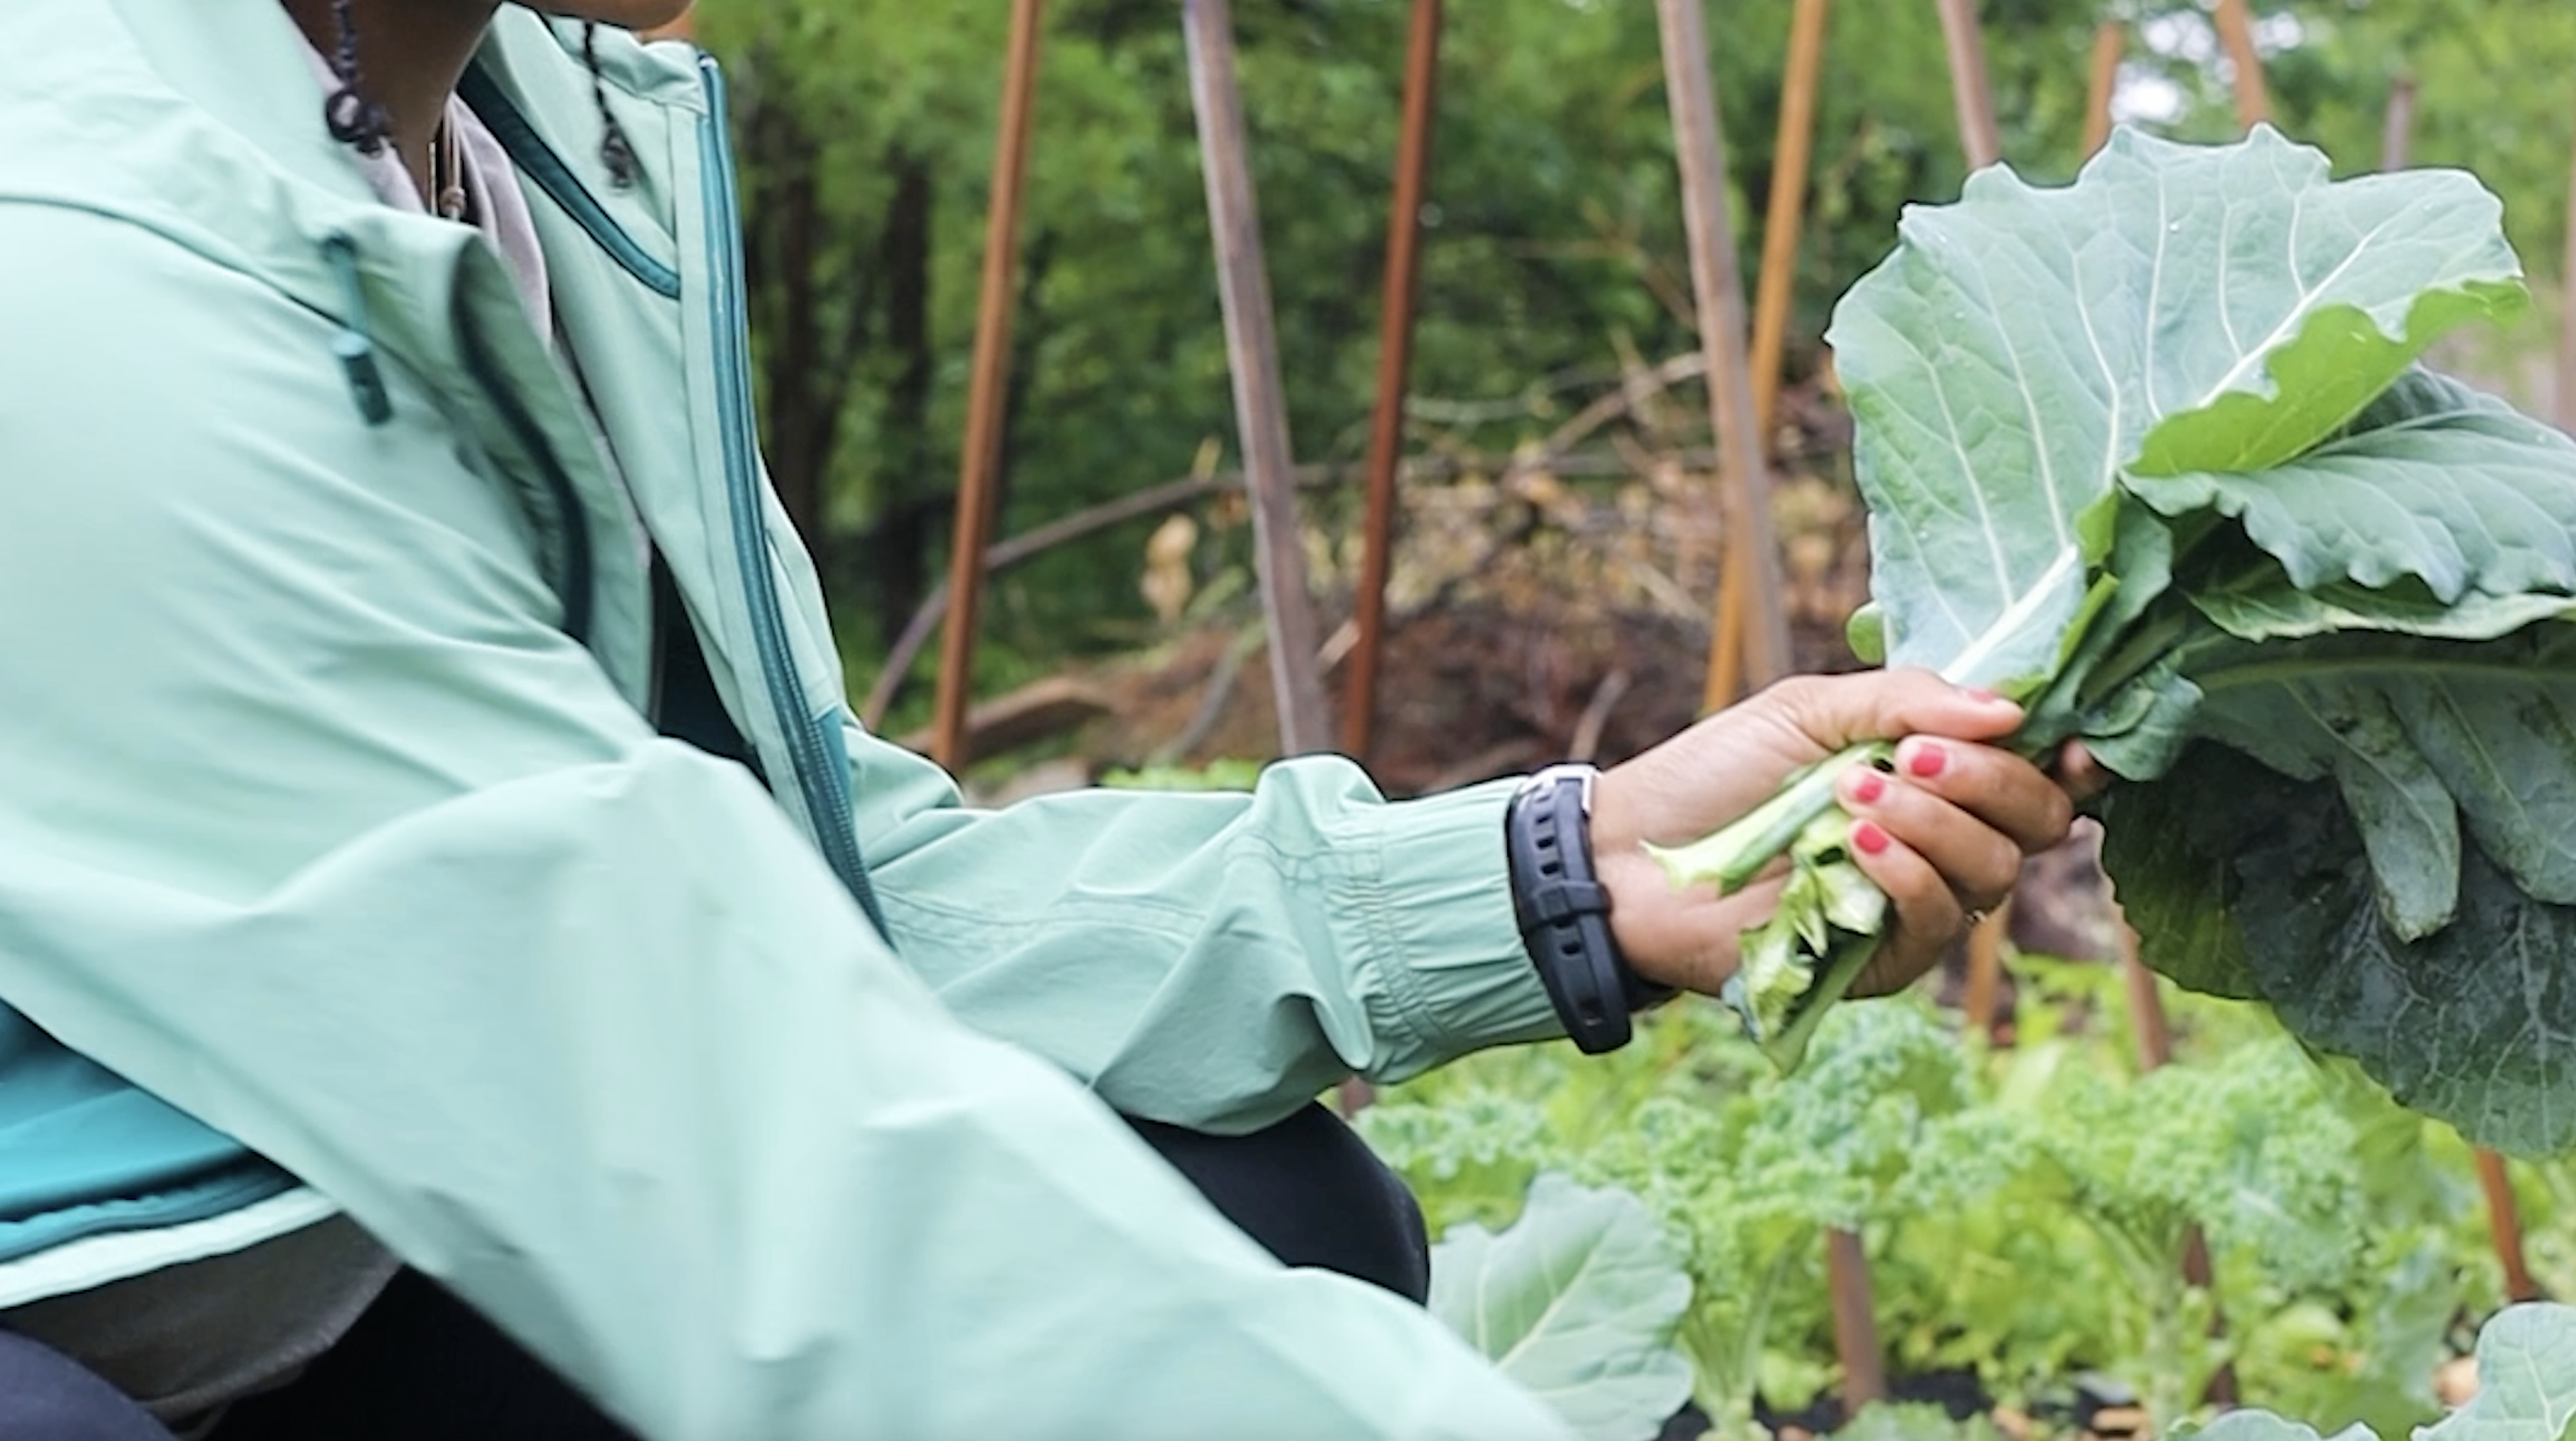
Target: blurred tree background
1553, 254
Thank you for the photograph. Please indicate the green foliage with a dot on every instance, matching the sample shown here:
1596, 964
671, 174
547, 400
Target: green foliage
2028, 1212
1554, 236
2526, 1391
1216, 775
1576, 1301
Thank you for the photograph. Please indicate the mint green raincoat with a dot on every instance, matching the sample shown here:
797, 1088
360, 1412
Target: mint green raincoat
341, 867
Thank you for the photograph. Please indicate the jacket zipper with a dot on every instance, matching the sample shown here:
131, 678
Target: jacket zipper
576, 581
824, 786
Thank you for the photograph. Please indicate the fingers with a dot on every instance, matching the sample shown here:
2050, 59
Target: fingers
1973, 861
2078, 774
1840, 710
1928, 912
1997, 787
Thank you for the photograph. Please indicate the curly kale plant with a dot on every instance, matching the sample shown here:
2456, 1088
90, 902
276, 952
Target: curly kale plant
2153, 454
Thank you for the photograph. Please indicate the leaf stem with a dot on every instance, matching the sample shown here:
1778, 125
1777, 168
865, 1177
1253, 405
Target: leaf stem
1734, 855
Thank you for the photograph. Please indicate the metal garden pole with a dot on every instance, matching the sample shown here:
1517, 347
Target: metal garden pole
987, 389
1394, 363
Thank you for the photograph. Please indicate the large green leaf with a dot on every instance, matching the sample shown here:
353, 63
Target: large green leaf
1576, 1301
2526, 1380
2526, 1390
2474, 1024
2410, 728
2177, 310
2434, 483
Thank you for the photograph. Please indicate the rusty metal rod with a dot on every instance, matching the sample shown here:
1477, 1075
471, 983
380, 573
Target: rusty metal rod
978, 480
2504, 1220
1394, 364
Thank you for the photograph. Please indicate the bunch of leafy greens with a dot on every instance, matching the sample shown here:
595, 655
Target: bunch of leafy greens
2152, 454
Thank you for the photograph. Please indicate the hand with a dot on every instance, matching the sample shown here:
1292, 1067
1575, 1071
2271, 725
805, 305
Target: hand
1953, 821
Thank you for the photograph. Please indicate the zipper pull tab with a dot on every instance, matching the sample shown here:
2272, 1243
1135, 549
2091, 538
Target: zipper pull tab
355, 345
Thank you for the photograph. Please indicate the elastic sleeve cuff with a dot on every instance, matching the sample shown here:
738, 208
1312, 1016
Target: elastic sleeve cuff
1444, 970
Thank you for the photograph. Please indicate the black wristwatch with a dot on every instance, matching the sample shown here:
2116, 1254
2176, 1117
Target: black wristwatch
1564, 913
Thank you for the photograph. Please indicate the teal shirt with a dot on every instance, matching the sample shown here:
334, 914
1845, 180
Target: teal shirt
336, 828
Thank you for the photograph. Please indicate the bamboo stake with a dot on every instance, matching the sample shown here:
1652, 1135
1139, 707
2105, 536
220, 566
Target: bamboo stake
1394, 361
987, 389
1260, 405
2236, 32
2397, 135
1776, 287
2110, 42
1978, 135
1717, 286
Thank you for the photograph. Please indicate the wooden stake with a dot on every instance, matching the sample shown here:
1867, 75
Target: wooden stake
2110, 43
987, 389
1978, 135
1394, 361
2236, 32
1260, 405
2397, 134
1776, 287
1855, 1322
1717, 286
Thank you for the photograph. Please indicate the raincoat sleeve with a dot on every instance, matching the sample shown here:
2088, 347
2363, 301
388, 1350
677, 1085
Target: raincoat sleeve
315, 825
1211, 960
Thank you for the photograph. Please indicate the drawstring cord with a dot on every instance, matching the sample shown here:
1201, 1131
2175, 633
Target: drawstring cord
355, 345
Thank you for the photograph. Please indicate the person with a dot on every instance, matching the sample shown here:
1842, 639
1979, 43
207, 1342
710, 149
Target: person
443, 870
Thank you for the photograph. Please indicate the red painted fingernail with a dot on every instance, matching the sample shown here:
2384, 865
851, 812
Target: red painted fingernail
1869, 787
1928, 761
1868, 838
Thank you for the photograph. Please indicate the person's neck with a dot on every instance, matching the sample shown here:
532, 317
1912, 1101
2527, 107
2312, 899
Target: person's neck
410, 53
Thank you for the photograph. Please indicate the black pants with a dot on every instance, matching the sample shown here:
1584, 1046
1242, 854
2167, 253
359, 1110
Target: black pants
421, 1366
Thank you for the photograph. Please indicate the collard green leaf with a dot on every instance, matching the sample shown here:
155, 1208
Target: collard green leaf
2264, 1426
2177, 310
2266, 606
2526, 1380
2492, 725
2329, 723
2474, 1024
1576, 1301
2526, 1390
2435, 483
2171, 858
